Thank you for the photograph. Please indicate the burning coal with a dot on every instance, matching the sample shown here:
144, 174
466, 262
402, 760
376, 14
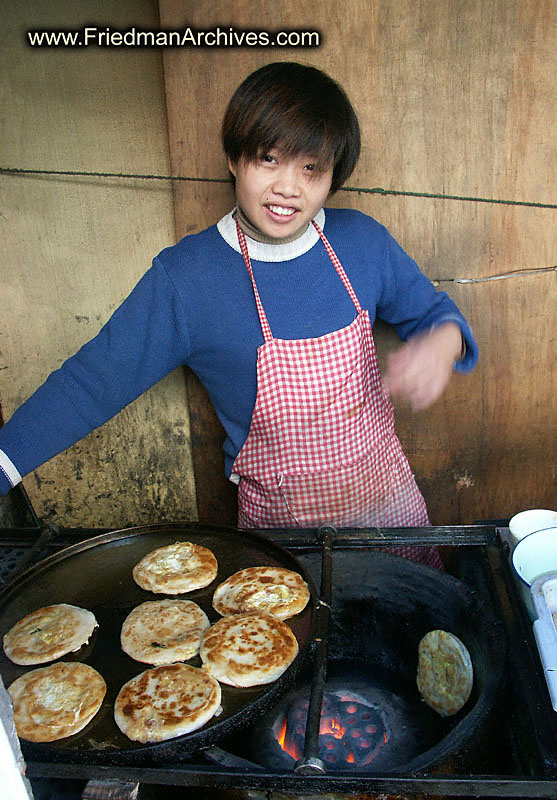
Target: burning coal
351, 730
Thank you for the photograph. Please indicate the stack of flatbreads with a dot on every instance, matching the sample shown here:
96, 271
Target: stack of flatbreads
57, 701
172, 698
170, 630
251, 645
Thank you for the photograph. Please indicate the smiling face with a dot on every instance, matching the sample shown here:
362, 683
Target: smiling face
280, 195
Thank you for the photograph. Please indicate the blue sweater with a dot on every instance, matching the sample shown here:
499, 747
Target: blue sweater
195, 306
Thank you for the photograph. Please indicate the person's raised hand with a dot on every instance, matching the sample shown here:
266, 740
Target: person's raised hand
419, 371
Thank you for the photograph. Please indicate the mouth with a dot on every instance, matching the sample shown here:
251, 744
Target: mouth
282, 213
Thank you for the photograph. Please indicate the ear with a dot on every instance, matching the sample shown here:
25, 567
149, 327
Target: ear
232, 167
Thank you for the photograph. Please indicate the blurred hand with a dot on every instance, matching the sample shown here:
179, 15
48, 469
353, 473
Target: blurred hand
419, 371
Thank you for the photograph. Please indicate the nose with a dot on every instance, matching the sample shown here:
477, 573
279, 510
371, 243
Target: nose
287, 181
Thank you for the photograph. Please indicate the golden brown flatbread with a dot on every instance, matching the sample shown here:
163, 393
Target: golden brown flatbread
248, 649
273, 590
163, 631
176, 568
445, 674
49, 633
57, 701
166, 701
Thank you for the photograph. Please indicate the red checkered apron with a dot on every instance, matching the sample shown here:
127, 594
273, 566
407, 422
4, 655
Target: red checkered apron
321, 446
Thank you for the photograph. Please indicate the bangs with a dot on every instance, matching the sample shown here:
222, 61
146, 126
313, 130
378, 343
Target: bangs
292, 133
295, 110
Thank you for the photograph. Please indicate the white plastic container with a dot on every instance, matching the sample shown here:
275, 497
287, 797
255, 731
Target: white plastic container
544, 595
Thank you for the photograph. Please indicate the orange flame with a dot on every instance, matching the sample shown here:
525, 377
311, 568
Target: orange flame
282, 734
288, 747
331, 726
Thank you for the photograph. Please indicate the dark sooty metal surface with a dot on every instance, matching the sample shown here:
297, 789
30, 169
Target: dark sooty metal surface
382, 606
382, 618
97, 575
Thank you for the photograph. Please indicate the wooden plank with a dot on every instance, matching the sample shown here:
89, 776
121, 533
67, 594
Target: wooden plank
216, 495
76, 246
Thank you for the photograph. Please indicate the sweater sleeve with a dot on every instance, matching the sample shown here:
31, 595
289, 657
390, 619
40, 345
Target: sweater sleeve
410, 302
145, 339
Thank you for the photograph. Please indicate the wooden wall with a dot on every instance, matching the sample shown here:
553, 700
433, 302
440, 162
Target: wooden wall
74, 247
454, 98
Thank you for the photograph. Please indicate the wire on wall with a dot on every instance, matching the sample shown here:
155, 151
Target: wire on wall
359, 190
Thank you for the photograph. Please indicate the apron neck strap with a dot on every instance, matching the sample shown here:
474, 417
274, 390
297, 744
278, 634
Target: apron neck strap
265, 327
339, 268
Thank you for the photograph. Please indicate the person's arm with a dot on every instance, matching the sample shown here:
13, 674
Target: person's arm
419, 371
438, 339
144, 340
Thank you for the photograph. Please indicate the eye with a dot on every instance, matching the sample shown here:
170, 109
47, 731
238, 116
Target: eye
268, 158
310, 167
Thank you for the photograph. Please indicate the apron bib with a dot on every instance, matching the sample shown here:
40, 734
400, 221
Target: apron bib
321, 447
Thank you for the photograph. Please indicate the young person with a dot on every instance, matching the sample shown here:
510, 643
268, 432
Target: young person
273, 308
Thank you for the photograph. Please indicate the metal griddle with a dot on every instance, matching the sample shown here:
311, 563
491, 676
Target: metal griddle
97, 575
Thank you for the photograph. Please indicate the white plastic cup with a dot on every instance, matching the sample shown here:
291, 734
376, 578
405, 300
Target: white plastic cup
535, 519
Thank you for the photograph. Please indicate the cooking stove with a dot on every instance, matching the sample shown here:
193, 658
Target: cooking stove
516, 753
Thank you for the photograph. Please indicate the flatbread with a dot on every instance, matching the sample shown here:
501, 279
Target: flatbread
166, 701
248, 649
57, 701
445, 673
163, 631
176, 568
48, 633
274, 590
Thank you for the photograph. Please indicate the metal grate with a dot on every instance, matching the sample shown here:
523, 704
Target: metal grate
9, 559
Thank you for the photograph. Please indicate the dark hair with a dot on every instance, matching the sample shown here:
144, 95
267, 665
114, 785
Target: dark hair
296, 109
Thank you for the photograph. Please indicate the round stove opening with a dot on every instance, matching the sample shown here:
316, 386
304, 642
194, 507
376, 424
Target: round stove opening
372, 720
352, 731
